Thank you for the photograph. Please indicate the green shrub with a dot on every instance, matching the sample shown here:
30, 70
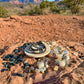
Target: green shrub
75, 9
52, 4
3, 12
73, 5
55, 10
44, 8
35, 11
46, 4
46, 11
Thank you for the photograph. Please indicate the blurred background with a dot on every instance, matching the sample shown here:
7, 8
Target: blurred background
41, 7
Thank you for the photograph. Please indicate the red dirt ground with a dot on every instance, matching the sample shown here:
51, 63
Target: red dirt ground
68, 31
17, 29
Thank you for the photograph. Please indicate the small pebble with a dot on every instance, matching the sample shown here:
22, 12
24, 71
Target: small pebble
26, 65
62, 63
75, 53
5, 64
7, 56
55, 55
56, 50
40, 64
54, 43
18, 74
17, 50
55, 68
2, 70
66, 57
21, 47
47, 59
28, 71
67, 62
43, 70
59, 56
12, 63
51, 52
32, 68
59, 48
66, 52
46, 66
57, 61
37, 70
63, 48
25, 62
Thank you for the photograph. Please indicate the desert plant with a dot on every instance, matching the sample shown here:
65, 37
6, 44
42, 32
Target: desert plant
38, 10
73, 5
43, 4
44, 8
3, 12
34, 11
52, 4
55, 10
46, 4
75, 9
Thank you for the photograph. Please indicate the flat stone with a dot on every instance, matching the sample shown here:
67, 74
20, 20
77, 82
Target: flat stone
31, 54
62, 63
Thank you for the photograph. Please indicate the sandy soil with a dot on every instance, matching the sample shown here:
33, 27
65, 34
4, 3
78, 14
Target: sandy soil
68, 31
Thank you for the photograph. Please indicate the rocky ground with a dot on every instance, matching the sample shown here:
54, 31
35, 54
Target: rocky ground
68, 31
